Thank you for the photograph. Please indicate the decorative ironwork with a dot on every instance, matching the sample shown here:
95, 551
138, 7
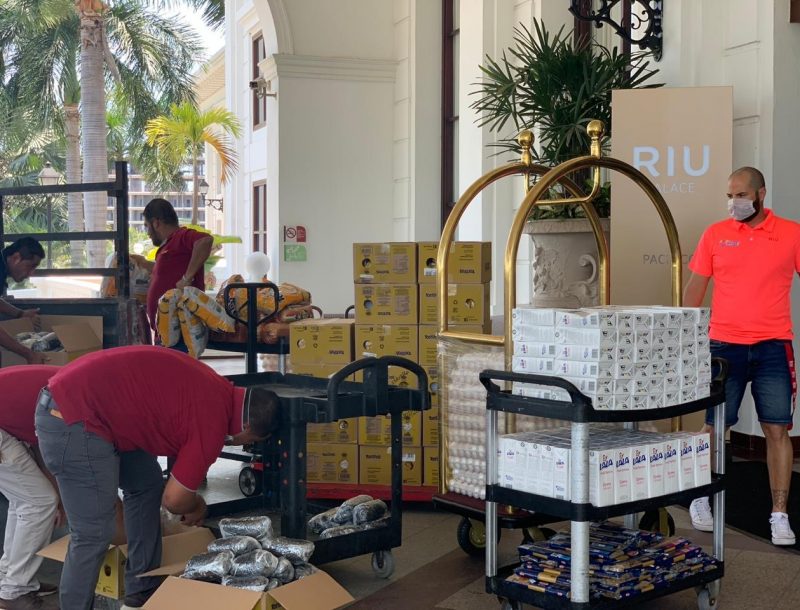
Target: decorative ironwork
645, 21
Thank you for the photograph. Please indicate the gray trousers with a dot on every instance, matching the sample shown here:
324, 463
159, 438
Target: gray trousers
89, 471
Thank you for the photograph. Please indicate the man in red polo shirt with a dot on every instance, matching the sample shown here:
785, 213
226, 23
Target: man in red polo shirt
31, 491
752, 257
181, 255
101, 422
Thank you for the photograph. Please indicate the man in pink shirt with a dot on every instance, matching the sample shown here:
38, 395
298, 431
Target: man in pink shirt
753, 258
101, 422
33, 502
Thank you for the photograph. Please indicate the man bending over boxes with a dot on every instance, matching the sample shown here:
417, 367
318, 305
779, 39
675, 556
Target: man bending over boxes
102, 420
33, 503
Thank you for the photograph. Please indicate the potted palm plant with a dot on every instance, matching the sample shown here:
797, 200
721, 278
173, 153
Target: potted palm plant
547, 83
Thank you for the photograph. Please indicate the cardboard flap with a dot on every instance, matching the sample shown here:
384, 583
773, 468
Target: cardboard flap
180, 593
178, 549
77, 337
58, 550
17, 325
316, 592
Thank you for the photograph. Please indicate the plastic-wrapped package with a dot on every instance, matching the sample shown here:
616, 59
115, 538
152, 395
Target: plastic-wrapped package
303, 570
382, 522
369, 511
209, 567
284, 573
274, 583
342, 530
294, 549
255, 563
250, 583
319, 523
259, 528
238, 545
344, 514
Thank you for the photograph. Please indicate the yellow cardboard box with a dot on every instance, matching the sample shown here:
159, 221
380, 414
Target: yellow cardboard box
342, 431
429, 341
430, 427
385, 263
398, 376
467, 304
386, 303
323, 370
317, 341
468, 262
332, 463
377, 430
431, 468
387, 340
375, 466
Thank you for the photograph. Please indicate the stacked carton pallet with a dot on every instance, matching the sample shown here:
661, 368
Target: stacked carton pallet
396, 302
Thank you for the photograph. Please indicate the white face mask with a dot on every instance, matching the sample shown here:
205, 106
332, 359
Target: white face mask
739, 209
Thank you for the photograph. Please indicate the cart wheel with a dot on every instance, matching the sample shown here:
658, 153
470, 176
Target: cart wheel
383, 564
536, 534
509, 604
249, 482
471, 537
651, 521
705, 601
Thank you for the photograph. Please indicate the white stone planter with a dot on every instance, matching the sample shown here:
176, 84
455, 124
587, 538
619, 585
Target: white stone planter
564, 268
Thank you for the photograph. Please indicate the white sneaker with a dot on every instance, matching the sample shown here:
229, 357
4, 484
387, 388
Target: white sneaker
782, 534
700, 512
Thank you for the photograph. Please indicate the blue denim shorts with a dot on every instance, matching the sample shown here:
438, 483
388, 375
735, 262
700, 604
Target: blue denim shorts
769, 368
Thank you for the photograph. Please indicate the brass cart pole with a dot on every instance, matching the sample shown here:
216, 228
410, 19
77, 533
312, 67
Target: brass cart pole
526, 168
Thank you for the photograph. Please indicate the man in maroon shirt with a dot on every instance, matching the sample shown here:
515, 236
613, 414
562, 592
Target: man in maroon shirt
101, 422
33, 503
181, 254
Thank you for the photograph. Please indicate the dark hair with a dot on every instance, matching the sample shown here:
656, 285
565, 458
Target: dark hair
754, 176
160, 209
264, 412
28, 248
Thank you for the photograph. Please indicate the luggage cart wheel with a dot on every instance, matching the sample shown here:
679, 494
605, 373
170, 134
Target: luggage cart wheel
705, 601
471, 537
509, 604
658, 521
383, 564
536, 534
249, 482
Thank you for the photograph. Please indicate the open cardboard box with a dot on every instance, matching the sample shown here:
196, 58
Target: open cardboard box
78, 334
177, 547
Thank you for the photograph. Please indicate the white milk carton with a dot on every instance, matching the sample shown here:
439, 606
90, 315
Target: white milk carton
533, 316
561, 470
535, 349
671, 464
702, 459
539, 334
686, 468
546, 470
639, 471
622, 474
528, 364
601, 477
655, 469
534, 462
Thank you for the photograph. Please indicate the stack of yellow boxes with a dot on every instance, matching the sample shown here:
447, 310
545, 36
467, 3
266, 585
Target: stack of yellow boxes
397, 314
320, 348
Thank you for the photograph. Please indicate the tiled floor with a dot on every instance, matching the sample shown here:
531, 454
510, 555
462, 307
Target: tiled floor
433, 573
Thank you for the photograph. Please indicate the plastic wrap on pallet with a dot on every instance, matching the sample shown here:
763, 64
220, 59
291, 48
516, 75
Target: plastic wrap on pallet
284, 573
209, 567
303, 570
249, 583
238, 545
259, 528
369, 511
344, 513
319, 523
255, 563
294, 549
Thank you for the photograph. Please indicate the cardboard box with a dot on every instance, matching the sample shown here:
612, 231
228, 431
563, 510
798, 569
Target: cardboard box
78, 334
430, 427
466, 304
433, 384
386, 303
177, 548
375, 466
315, 592
398, 376
428, 345
374, 431
342, 431
385, 263
315, 341
322, 370
430, 471
332, 463
387, 340
467, 262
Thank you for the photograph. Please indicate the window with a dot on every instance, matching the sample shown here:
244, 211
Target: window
259, 103
260, 217
450, 42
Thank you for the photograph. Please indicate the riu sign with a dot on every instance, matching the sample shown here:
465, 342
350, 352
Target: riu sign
663, 162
